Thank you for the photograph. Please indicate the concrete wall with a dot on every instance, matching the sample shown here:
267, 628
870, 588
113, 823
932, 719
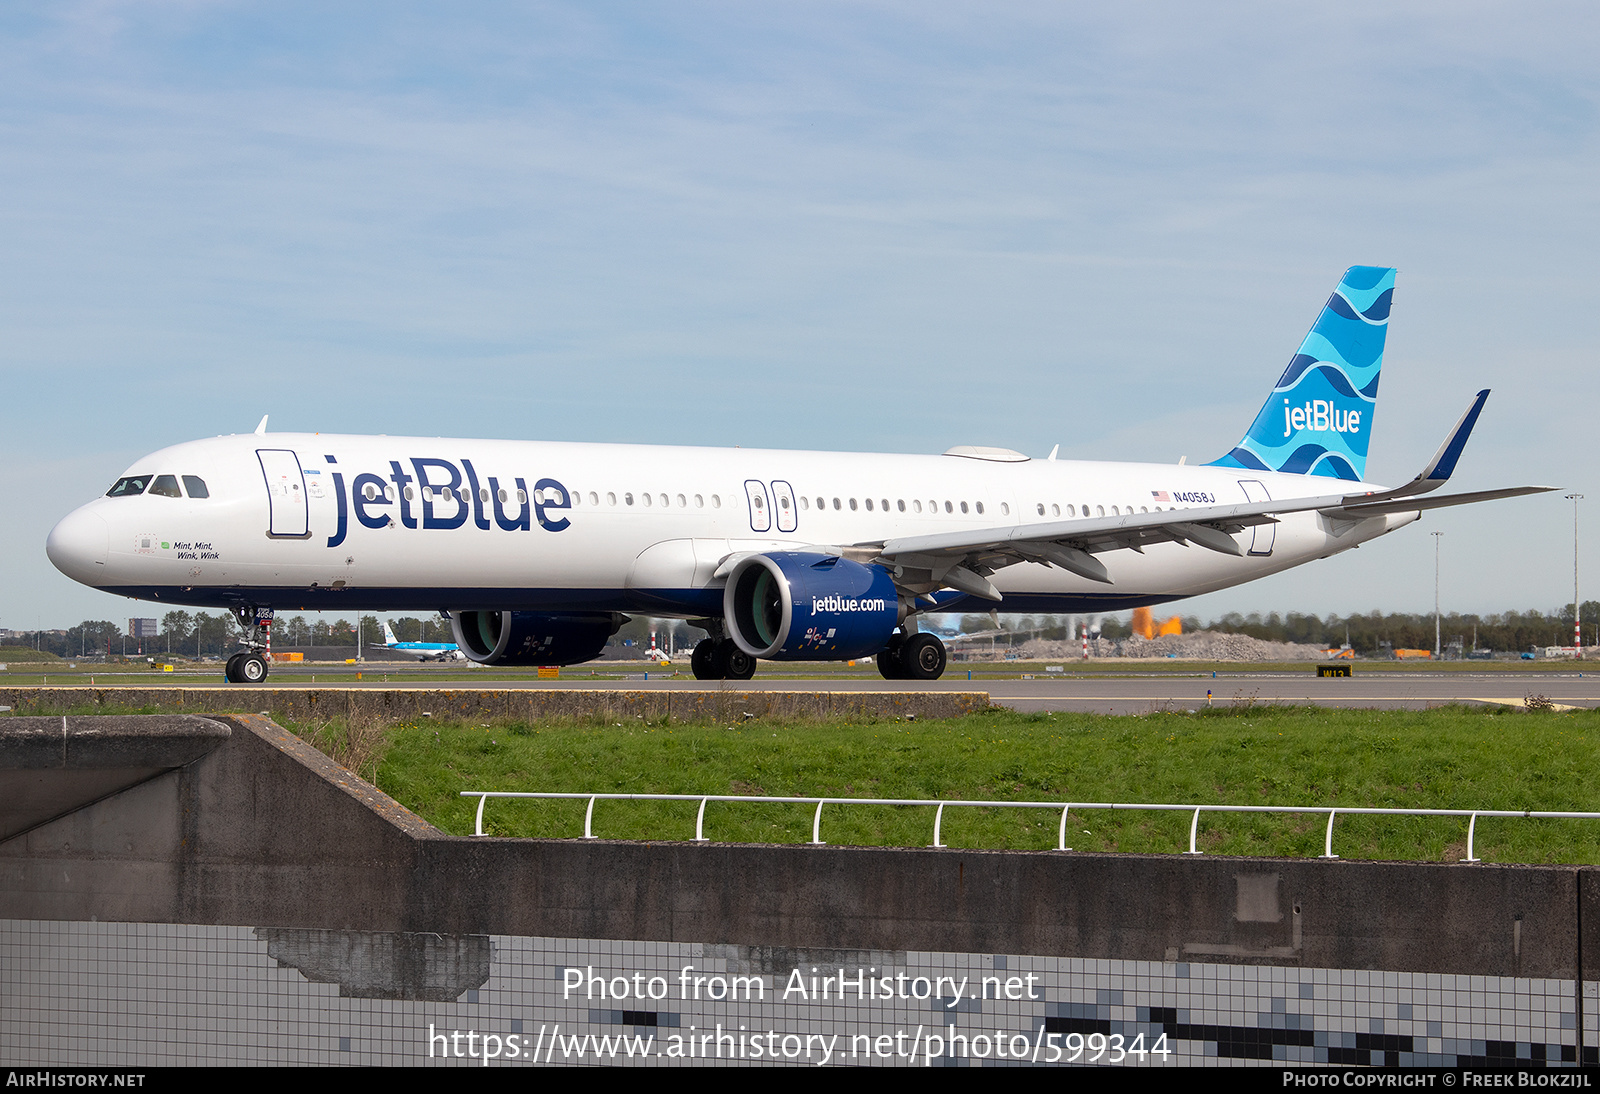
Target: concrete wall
395, 703
264, 831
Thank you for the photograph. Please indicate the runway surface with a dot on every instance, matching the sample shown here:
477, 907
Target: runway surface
1141, 694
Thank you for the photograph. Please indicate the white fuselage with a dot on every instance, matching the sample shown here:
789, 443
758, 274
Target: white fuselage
326, 522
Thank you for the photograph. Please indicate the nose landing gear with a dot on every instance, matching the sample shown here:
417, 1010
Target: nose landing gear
249, 665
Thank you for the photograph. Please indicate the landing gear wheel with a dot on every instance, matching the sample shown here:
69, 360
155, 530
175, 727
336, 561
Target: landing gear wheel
923, 657
703, 661
740, 665
230, 671
252, 668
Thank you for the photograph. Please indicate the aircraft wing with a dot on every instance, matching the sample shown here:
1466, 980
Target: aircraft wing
963, 560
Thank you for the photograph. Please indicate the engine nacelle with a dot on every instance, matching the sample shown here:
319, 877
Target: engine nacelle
534, 638
793, 606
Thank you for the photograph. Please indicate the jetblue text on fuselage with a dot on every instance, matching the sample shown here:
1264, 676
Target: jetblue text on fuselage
846, 604
439, 494
1319, 416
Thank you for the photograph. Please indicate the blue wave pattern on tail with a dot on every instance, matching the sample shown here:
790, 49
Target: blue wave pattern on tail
1318, 420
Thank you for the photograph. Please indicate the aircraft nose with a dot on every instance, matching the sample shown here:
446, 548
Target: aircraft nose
78, 546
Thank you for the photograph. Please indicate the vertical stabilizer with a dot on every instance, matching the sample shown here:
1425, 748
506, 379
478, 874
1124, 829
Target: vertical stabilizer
1318, 420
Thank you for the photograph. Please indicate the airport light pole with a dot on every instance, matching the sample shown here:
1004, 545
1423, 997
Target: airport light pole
1436, 538
1577, 621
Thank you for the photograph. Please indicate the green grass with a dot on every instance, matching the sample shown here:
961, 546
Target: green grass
14, 655
1446, 758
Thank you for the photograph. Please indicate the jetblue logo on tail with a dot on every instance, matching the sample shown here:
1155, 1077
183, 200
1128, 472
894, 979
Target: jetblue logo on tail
1318, 420
1319, 416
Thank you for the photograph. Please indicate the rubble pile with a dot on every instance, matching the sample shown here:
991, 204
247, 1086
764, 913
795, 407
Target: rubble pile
1200, 646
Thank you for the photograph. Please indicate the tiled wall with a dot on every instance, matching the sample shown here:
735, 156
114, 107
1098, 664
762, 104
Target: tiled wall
113, 994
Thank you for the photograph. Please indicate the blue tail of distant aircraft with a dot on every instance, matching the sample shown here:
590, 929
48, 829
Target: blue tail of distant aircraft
1318, 420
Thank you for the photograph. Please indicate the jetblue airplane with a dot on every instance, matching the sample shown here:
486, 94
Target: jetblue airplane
536, 551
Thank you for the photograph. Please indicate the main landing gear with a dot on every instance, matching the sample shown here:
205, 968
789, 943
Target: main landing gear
918, 657
249, 665
721, 659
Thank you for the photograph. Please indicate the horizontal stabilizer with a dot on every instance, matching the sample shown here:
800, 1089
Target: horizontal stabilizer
1379, 505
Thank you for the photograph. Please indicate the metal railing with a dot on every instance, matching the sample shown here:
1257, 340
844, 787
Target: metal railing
483, 797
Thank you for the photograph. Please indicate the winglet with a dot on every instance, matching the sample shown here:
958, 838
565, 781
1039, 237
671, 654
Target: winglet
261, 426
1444, 460
1443, 464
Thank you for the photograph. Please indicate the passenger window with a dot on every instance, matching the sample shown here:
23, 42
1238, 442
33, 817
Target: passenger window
663, 501
852, 505
902, 504
805, 502
980, 508
916, 505
627, 499
948, 508
699, 501
611, 498
645, 498
716, 501
522, 496
682, 502
885, 504
594, 499
195, 486
166, 486
836, 504
1041, 508
370, 492
483, 494
869, 505
963, 507
1055, 510
1005, 509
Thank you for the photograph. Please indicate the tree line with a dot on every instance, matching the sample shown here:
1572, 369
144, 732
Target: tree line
202, 634
1369, 634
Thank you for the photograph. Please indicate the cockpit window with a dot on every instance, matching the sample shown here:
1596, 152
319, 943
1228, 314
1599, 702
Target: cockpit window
128, 486
166, 486
196, 486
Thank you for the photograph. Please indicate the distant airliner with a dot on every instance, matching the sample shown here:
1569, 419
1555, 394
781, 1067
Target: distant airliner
425, 651
536, 550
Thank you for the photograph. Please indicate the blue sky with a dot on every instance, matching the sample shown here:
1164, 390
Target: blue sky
892, 227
